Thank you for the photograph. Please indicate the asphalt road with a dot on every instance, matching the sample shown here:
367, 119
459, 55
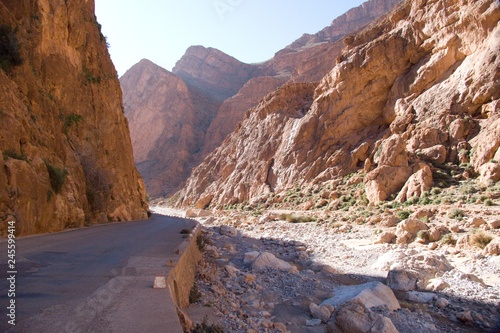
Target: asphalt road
77, 281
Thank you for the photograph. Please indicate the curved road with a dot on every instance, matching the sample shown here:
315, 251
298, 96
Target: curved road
96, 279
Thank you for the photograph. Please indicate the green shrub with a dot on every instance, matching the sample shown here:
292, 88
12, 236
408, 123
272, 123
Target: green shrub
488, 202
481, 239
425, 201
423, 235
292, 218
403, 214
436, 191
456, 214
194, 295
448, 239
9, 153
201, 241
411, 201
10, 55
90, 77
57, 177
71, 119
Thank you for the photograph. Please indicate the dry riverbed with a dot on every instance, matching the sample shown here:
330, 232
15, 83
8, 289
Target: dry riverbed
273, 273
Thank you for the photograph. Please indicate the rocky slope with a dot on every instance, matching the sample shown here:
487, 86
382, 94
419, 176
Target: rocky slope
222, 89
411, 103
66, 152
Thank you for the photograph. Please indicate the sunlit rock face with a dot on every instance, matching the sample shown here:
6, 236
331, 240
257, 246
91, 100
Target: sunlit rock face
66, 153
178, 118
412, 92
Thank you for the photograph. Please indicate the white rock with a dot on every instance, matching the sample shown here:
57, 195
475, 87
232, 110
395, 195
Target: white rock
420, 297
268, 260
437, 285
370, 295
410, 265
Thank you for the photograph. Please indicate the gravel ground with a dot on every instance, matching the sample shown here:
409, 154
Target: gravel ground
245, 300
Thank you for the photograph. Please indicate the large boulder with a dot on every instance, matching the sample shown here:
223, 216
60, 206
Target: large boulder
417, 184
355, 318
268, 260
407, 230
411, 269
489, 173
392, 152
372, 294
385, 181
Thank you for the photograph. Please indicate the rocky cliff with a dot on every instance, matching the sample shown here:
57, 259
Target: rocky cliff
167, 124
170, 112
219, 91
411, 99
66, 152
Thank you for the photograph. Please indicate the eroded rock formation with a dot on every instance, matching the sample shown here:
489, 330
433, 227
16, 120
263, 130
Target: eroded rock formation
66, 152
416, 90
220, 90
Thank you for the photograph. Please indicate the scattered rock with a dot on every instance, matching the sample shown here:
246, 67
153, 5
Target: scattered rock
320, 312
493, 248
386, 238
437, 285
407, 230
198, 213
476, 222
489, 173
372, 294
409, 267
228, 231
420, 297
204, 202
355, 318
465, 316
384, 181
422, 213
390, 221
268, 260
417, 184
280, 327
437, 232
495, 224
442, 303
402, 280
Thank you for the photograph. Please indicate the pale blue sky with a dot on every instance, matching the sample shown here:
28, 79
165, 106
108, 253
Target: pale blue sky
249, 30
